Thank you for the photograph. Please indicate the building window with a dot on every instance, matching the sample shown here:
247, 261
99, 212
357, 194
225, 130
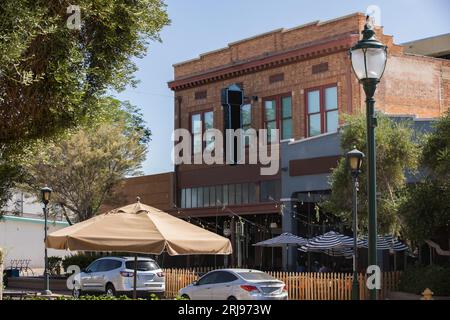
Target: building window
322, 110
246, 120
286, 118
212, 196
278, 115
201, 122
270, 190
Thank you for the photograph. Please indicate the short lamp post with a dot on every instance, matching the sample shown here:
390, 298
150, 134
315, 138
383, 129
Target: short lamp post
368, 58
354, 160
46, 192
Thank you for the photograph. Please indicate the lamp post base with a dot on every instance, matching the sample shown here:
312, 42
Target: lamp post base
46, 293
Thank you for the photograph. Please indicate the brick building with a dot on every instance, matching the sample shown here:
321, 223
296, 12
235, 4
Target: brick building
299, 81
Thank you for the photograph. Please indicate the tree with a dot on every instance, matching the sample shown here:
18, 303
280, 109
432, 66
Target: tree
396, 153
52, 77
84, 168
426, 205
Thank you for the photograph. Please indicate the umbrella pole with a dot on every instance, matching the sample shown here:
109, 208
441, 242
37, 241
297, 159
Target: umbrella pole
135, 277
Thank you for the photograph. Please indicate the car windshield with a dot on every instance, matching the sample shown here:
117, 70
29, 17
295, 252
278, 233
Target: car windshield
142, 265
258, 276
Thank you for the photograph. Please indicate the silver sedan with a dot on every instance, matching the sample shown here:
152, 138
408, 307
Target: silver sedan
236, 284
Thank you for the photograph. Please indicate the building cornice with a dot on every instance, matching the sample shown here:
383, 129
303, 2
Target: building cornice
305, 52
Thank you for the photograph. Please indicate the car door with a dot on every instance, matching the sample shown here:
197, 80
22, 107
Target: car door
86, 278
102, 275
202, 289
222, 287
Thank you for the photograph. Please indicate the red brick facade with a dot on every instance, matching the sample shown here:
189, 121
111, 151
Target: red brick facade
293, 61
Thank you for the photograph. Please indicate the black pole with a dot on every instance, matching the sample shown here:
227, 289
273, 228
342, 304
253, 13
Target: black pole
135, 277
355, 288
46, 275
370, 85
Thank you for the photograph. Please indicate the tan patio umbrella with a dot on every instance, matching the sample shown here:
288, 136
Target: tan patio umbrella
139, 228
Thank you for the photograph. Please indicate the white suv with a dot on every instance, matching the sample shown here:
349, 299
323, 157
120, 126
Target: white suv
114, 275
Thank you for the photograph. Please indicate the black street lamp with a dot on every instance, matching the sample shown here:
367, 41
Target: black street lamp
46, 192
368, 59
354, 159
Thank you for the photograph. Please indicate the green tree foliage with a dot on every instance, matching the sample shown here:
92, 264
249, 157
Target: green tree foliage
52, 77
426, 206
396, 152
84, 168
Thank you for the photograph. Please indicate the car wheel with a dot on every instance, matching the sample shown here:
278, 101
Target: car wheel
110, 291
185, 297
231, 298
76, 293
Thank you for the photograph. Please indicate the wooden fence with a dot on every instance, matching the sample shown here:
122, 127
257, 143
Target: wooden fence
301, 286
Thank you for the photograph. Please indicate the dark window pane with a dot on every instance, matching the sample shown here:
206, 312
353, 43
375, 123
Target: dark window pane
93, 267
231, 194
194, 198
238, 193
225, 194
313, 101
183, 198
206, 197
286, 111
208, 278
287, 129
142, 265
219, 195
332, 121
314, 125
245, 193
224, 277
199, 197
212, 197
269, 126
252, 193
270, 190
189, 198
331, 98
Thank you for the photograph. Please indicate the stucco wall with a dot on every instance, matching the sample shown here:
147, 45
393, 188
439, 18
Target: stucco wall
23, 238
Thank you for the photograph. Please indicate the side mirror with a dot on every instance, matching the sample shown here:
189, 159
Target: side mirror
195, 283
85, 270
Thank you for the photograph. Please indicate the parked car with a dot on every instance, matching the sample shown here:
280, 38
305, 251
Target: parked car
236, 284
114, 276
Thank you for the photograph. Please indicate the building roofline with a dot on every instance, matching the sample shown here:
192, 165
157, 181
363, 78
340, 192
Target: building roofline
33, 220
427, 38
261, 35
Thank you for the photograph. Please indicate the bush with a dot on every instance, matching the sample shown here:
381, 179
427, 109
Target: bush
54, 265
81, 260
417, 279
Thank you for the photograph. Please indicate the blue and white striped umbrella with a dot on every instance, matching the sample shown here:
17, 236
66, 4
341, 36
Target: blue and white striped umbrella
387, 242
283, 240
334, 252
330, 240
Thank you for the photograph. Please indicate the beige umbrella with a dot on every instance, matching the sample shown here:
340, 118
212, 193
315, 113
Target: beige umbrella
139, 228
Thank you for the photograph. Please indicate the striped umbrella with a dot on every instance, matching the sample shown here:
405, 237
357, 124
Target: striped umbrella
386, 242
283, 240
331, 243
330, 240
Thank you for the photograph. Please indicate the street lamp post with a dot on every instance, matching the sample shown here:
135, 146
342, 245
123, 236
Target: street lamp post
354, 159
368, 59
46, 192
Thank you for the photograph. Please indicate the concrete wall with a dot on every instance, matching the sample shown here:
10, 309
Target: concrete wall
23, 238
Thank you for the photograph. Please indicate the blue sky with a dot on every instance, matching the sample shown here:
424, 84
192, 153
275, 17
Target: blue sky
203, 25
